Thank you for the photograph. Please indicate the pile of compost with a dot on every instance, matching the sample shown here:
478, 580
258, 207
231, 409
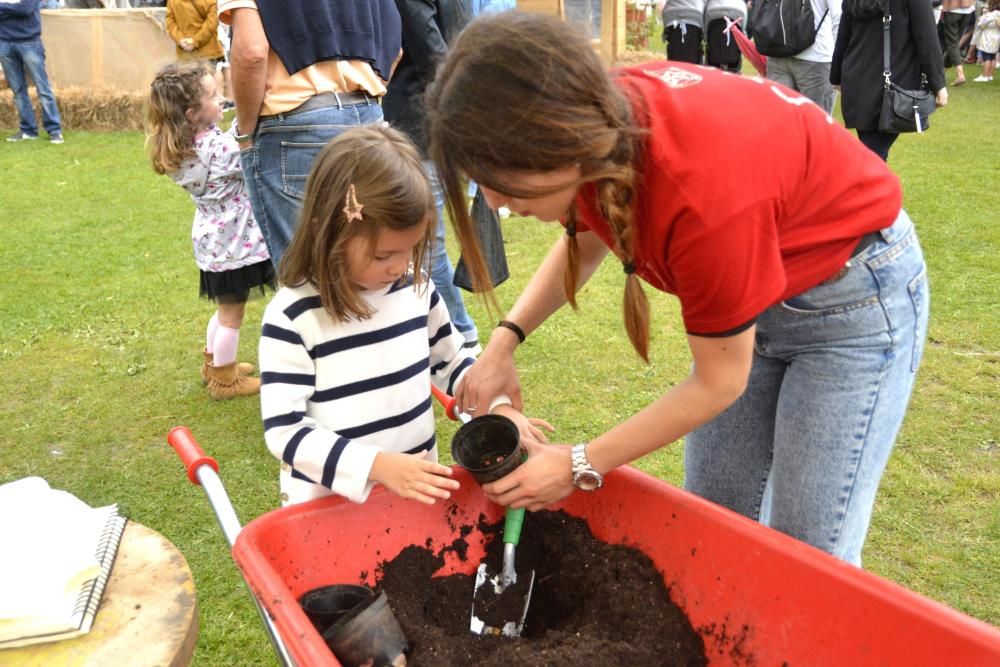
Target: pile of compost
593, 603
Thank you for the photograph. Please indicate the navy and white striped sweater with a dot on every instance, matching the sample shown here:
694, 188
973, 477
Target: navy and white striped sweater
334, 394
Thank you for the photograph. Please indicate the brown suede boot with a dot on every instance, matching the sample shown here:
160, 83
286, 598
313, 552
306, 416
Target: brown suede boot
245, 369
227, 382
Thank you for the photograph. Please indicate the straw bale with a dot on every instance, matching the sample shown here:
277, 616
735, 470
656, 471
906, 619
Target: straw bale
85, 109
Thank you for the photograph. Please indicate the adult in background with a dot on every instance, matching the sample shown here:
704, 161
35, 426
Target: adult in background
809, 71
955, 16
21, 54
857, 62
194, 27
293, 95
801, 282
428, 25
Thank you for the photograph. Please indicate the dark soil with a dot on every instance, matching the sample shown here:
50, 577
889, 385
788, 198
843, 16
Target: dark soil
593, 603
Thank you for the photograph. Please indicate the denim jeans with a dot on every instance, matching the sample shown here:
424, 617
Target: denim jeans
441, 269
277, 165
18, 59
812, 79
803, 450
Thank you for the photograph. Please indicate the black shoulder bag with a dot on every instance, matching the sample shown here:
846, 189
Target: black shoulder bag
902, 110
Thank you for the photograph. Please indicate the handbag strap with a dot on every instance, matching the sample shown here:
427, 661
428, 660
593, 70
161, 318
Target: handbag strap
886, 69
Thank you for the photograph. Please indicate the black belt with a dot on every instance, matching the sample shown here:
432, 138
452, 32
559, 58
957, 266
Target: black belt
328, 100
866, 240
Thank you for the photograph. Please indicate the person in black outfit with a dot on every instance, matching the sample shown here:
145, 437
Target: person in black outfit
857, 62
428, 25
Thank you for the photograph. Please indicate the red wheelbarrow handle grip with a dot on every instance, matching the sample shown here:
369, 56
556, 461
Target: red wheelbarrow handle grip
447, 402
191, 453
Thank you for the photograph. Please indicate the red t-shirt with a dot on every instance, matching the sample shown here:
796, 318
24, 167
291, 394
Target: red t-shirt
749, 194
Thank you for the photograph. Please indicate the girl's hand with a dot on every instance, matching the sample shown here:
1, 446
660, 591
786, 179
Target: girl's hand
545, 478
187, 44
530, 429
492, 374
412, 476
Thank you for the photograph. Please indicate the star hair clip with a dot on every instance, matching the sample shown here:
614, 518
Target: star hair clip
352, 207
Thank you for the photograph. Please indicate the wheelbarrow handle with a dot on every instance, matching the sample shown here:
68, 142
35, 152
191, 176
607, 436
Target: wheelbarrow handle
191, 453
195, 459
447, 402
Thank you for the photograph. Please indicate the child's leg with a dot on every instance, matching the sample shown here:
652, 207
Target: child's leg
213, 326
227, 335
989, 67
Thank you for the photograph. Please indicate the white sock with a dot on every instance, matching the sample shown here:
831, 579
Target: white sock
213, 325
225, 344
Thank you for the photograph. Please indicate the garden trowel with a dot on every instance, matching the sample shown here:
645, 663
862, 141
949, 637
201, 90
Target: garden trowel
497, 607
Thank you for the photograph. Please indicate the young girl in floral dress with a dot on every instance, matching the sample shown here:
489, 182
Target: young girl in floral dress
185, 143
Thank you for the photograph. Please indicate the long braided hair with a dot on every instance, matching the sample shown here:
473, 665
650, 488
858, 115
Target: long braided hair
169, 134
523, 92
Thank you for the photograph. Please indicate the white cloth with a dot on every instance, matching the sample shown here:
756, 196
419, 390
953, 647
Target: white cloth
335, 394
225, 234
821, 50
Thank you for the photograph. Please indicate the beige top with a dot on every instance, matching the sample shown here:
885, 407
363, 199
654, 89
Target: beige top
284, 91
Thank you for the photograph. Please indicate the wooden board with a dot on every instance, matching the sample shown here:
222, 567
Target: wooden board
149, 614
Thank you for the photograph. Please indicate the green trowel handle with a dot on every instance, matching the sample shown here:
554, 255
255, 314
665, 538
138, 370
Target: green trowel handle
512, 525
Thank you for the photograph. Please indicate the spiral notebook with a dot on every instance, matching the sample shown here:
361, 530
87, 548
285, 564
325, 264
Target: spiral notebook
54, 579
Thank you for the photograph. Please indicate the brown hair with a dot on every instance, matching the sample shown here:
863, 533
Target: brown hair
389, 182
523, 92
169, 134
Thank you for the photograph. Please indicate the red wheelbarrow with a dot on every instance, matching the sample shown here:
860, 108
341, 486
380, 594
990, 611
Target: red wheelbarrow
757, 596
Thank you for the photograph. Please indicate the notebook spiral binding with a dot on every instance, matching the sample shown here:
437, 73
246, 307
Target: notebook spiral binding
107, 549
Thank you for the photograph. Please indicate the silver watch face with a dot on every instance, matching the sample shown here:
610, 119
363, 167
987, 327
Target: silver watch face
588, 480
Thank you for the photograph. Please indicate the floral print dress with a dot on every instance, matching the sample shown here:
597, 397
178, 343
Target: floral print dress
225, 234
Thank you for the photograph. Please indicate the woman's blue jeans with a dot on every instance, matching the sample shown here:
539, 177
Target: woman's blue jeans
803, 450
277, 165
18, 59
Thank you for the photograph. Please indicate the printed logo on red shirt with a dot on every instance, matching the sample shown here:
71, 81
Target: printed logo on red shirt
676, 78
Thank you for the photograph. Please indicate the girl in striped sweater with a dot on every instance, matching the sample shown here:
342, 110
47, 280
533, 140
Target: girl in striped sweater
352, 342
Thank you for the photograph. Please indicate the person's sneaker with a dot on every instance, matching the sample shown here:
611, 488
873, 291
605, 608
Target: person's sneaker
227, 105
56, 138
982, 79
22, 136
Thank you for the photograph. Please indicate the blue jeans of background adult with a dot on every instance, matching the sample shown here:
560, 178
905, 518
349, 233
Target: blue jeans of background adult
18, 59
442, 271
277, 165
812, 79
803, 450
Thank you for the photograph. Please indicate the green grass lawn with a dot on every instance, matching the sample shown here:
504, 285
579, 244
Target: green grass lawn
102, 334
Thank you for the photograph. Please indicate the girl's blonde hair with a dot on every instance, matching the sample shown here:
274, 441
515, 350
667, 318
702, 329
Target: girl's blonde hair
523, 92
169, 134
390, 184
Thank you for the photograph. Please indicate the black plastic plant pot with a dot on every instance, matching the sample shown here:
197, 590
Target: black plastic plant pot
487, 447
373, 634
329, 604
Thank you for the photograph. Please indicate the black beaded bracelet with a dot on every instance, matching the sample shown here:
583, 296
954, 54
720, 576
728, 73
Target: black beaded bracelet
518, 331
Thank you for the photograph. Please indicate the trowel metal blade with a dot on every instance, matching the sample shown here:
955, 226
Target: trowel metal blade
510, 628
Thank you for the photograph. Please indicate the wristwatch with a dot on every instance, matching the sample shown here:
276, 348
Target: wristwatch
240, 138
584, 476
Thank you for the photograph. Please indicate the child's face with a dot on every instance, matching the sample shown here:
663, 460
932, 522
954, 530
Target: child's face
210, 110
547, 208
389, 261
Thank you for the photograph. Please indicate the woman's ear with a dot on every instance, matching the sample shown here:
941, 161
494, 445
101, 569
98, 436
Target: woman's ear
190, 114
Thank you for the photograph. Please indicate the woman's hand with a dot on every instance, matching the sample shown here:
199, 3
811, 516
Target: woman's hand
941, 99
412, 476
545, 478
492, 374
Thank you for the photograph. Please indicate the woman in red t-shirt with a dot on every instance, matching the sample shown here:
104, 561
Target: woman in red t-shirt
801, 282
